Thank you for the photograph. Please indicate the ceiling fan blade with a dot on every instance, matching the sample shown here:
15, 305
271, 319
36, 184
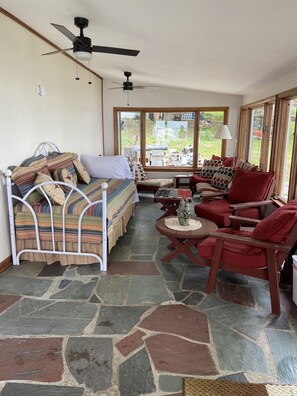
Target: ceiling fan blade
116, 88
117, 83
64, 31
113, 50
58, 51
145, 86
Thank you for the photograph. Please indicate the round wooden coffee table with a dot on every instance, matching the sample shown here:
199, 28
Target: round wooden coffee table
182, 241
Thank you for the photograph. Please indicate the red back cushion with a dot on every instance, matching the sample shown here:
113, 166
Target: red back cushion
277, 226
228, 161
250, 186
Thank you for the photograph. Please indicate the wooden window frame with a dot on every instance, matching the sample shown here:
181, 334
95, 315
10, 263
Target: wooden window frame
144, 110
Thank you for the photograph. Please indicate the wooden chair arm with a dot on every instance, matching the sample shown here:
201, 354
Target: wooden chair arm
244, 220
250, 204
249, 241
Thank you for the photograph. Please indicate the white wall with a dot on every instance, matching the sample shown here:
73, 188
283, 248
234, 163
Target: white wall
70, 114
166, 97
277, 86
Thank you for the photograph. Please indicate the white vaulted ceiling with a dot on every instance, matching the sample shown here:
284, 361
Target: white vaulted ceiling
228, 46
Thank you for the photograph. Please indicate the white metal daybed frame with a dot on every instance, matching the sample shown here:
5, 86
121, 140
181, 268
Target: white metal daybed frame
45, 148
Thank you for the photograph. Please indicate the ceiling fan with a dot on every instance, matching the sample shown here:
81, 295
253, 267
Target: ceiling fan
129, 86
82, 45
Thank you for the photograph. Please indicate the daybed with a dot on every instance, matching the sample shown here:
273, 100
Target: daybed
77, 227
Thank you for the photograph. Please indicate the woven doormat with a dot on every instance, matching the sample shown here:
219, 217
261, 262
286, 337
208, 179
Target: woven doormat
200, 387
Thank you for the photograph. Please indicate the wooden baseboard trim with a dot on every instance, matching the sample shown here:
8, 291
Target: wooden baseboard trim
5, 264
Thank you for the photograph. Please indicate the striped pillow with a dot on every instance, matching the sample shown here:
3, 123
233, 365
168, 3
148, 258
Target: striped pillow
62, 161
24, 177
246, 165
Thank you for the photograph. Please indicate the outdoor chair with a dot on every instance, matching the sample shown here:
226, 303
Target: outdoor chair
248, 196
260, 253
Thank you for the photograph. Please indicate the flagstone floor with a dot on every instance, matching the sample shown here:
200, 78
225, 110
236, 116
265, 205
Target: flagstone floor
139, 328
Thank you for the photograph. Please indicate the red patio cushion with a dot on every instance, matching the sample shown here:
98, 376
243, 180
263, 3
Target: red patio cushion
234, 253
249, 186
278, 224
194, 179
219, 211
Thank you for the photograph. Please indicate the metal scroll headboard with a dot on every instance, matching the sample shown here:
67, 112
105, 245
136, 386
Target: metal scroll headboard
46, 148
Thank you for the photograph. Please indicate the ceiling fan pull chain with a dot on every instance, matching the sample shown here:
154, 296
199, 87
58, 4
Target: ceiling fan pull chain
90, 82
77, 78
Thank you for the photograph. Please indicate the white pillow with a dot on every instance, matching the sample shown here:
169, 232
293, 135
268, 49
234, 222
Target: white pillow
111, 166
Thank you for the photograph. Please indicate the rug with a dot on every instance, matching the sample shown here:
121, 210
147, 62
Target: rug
201, 387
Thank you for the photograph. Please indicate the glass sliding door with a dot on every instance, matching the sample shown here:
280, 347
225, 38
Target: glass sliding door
288, 151
209, 121
129, 134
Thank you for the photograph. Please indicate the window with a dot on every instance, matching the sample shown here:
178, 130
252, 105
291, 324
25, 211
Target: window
169, 138
255, 134
209, 121
267, 138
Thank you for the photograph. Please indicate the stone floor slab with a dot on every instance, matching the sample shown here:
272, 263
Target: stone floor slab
195, 278
18, 389
147, 290
194, 298
55, 269
180, 320
241, 353
118, 320
135, 375
284, 350
7, 301
131, 342
172, 272
77, 290
132, 268
48, 318
170, 383
25, 269
113, 290
232, 277
90, 361
237, 294
175, 355
24, 286
38, 359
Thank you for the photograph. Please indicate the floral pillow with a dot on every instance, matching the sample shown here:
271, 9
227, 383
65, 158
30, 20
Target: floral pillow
81, 171
53, 191
210, 167
64, 175
222, 178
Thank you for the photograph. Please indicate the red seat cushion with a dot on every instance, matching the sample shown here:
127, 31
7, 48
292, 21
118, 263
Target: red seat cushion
219, 211
194, 179
276, 227
234, 253
250, 186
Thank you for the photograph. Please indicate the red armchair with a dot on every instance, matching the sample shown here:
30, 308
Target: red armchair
248, 197
259, 253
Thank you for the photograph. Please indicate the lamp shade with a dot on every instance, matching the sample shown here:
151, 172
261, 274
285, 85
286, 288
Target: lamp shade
223, 132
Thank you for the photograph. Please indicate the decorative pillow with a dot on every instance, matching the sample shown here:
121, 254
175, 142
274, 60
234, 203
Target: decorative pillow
277, 226
210, 167
29, 161
222, 178
62, 161
82, 173
107, 166
53, 191
24, 177
246, 165
140, 174
64, 175
249, 186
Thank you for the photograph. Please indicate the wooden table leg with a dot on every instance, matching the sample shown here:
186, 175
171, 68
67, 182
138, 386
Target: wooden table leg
170, 209
182, 246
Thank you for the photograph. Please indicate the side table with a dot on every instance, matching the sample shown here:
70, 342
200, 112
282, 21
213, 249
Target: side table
182, 241
170, 199
182, 181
